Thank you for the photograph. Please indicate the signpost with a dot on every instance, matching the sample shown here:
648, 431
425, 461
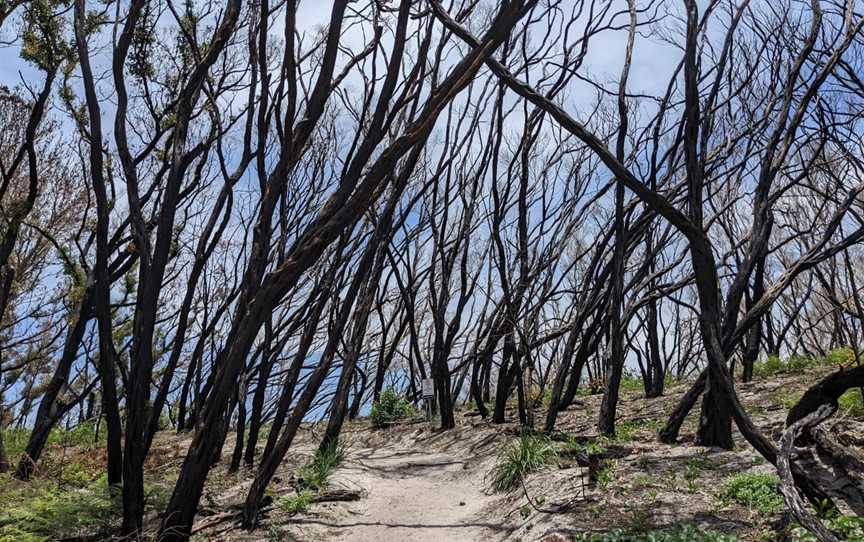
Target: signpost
428, 388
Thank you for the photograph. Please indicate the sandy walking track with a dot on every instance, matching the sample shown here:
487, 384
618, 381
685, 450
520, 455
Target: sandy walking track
410, 495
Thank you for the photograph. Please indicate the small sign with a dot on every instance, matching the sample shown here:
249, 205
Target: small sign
428, 388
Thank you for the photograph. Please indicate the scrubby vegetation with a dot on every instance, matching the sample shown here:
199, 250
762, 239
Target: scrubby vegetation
46, 511
686, 533
773, 365
390, 408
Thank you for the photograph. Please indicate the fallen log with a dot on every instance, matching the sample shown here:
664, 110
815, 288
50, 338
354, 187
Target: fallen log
337, 495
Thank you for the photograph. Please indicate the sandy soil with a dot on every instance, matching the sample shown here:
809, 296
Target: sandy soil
423, 487
410, 495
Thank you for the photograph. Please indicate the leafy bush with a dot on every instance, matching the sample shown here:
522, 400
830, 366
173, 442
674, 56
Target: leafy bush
683, 533
758, 491
314, 474
297, 503
389, 408
528, 454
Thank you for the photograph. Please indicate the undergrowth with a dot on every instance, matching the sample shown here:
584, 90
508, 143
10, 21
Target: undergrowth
624, 432
38, 511
389, 409
754, 490
81, 436
528, 454
773, 365
683, 533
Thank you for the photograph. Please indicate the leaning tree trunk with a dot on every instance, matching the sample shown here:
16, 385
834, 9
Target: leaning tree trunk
787, 482
836, 469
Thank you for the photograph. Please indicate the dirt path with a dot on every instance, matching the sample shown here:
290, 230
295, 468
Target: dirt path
410, 495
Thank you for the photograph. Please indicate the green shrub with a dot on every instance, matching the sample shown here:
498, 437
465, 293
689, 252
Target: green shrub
389, 408
758, 491
314, 474
683, 533
528, 454
297, 503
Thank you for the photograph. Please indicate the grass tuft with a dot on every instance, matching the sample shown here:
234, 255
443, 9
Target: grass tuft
528, 454
314, 475
297, 503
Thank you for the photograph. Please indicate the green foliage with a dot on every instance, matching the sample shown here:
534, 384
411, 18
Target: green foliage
82, 435
682, 533
850, 528
795, 363
314, 474
606, 475
754, 490
42, 41
15, 440
625, 431
389, 408
631, 382
692, 468
297, 503
643, 480
528, 454
143, 41
595, 446
38, 511
851, 403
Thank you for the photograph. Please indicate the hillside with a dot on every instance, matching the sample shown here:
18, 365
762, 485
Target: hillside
418, 483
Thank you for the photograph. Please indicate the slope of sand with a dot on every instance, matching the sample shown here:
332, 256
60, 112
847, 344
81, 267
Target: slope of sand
426, 487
